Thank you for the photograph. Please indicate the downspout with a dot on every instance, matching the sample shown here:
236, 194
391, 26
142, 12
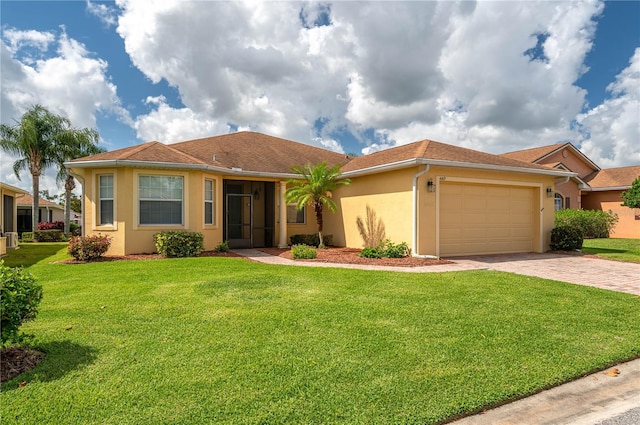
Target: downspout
84, 216
414, 242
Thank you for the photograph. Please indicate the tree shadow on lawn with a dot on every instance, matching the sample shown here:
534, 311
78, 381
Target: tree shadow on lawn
32, 253
61, 357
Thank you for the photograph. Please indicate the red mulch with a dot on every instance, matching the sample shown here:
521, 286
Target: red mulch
148, 257
352, 256
14, 361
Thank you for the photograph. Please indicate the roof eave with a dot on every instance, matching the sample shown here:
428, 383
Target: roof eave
604, 189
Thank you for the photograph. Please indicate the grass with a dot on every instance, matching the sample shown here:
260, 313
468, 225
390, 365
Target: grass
29, 254
205, 340
614, 249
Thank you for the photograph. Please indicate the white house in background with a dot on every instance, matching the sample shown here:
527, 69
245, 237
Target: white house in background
9, 195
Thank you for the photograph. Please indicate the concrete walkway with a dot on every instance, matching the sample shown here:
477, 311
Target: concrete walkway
606, 274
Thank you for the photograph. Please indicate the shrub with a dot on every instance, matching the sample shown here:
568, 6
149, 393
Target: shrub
27, 236
566, 238
179, 243
48, 235
372, 231
74, 229
311, 240
222, 247
592, 223
19, 299
370, 252
88, 248
303, 252
392, 250
54, 225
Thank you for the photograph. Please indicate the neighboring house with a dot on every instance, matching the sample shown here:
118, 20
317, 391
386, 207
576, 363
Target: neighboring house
47, 212
592, 188
440, 199
8, 215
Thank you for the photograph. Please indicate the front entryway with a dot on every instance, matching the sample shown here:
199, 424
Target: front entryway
249, 219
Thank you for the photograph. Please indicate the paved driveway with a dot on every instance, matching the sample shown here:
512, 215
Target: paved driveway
607, 274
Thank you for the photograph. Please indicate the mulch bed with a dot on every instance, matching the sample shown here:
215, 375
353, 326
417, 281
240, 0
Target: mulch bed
14, 361
147, 257
352, 256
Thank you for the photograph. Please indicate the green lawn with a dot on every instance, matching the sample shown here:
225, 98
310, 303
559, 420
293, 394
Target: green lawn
615, 249
205, 340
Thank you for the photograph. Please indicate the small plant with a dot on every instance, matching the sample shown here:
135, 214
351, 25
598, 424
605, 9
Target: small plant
179, 243
27, 237
372, 230
88, 248
566, 238
53, 235
369, 252
222, 247
306, 252
20, 296
392, 250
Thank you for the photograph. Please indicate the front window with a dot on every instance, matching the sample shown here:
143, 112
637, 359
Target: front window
160, 200
296, 216
558, 202
105, 195
209, 190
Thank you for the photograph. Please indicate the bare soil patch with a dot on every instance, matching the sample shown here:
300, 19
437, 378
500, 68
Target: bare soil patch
352, 256
15, 361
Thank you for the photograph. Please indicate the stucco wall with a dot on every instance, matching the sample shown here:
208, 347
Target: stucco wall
570, 160
628, 225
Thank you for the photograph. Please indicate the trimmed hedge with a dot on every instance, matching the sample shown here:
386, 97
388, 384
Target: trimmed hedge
311, 240
48, 235
179, 243
592, 223
20, 296
303, 252
566, 238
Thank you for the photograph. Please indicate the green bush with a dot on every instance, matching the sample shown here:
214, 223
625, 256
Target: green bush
566, 238
222, 247
303, 252
370, 252
392, 250
179, 243
27, 237
592, 223
19, 299
311, 240
88, 248
53, 235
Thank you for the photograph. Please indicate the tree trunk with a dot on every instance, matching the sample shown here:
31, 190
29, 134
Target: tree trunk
35, 182
318, 210
69, 185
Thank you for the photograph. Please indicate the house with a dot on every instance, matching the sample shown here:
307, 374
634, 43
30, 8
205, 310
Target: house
440, 199
48, 212
8, 216
592, 188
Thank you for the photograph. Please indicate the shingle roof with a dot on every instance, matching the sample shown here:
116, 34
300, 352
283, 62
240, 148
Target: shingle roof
614, 177
27, 201
248, 151
534, 154
428, 149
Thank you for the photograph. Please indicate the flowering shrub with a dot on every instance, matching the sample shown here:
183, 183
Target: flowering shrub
19, 299
54, 225
179, 243
88, 248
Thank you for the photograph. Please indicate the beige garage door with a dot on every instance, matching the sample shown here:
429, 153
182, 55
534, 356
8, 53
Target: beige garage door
486, 219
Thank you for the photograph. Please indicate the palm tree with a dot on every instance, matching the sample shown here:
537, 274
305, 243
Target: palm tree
71, 144
314, 188
32, 138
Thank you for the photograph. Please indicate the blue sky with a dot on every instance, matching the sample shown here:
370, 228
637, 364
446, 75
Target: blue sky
353, 77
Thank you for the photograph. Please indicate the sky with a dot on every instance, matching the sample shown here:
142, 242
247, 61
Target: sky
350, 76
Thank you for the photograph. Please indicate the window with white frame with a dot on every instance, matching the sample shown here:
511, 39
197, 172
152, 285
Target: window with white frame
558, 202
105, 203
209, 193
296, 216
160, 199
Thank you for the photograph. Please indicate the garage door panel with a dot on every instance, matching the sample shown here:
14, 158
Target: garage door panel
484, 219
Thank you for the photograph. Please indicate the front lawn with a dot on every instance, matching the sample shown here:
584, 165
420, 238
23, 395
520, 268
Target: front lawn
615, 249
209, 340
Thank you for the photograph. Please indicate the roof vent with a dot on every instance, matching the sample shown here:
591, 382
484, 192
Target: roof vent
214, 157
236, 169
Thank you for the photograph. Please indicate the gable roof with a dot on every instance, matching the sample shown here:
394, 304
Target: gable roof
17, 190
27, 201
535, 155
613, 178
235, 153
436, 153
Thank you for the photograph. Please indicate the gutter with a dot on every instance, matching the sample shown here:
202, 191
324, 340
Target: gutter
604, 189
414, 242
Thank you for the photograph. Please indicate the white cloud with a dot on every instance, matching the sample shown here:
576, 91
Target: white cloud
108, 15
17, 39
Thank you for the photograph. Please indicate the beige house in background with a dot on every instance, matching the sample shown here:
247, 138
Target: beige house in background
9, 197
592, 188
440, 199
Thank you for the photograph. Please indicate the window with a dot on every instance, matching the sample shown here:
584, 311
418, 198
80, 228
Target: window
558, 202
567, 202
160, 200
209, 191
296, 216
105, 196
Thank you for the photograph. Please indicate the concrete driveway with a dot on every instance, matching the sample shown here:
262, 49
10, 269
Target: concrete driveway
583, 270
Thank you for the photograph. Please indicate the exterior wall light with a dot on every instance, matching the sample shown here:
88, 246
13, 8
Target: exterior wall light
431, 187
549, 192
